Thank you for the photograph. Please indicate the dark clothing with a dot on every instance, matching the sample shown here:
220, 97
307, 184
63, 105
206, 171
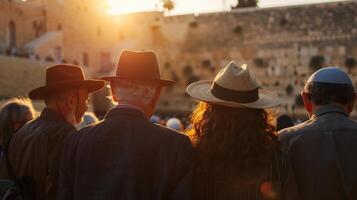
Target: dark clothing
274, 181
323, 152
284, 121
34, 151
126, 157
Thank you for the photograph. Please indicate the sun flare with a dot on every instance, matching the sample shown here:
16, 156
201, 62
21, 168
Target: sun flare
129, 6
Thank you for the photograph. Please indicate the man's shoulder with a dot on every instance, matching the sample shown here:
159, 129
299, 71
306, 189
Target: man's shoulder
288, 136
154, 130
297, 129
315, 125
170, 133
347, 123
84, 131
89, 127
43, 126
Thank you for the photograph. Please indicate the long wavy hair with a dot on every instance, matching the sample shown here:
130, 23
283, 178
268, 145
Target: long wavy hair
236, 138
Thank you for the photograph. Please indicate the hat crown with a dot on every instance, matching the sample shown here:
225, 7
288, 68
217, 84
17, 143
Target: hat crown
138, 65
233, 87
236, 78
63, 73
332, 75
64, 77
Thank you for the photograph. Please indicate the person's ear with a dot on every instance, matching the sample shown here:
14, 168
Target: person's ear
71, 103
307, 101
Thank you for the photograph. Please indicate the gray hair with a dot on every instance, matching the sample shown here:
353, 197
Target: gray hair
134, 91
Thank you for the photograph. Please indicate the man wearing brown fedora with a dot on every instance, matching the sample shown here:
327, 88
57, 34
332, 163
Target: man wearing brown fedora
34, 151
125, 156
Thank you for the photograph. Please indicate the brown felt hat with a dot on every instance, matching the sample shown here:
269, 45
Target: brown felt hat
138, 65
63, 77
234, 86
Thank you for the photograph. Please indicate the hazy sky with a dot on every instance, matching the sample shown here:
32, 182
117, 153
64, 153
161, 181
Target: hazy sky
196, 6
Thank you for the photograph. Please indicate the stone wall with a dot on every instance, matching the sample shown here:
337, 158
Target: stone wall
28, 20
277, 43
18, 76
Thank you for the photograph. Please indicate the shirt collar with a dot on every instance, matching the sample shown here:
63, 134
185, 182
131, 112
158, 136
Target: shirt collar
122, 105
330, 108
126, 111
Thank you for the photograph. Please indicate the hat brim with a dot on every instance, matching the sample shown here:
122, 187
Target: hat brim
162, 82
201, 90
42, 92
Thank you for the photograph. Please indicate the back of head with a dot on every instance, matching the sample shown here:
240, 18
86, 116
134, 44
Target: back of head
330, 85
142, 94
241, 138
15, 113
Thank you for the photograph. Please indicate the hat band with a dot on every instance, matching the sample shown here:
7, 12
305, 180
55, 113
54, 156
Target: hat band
233, 95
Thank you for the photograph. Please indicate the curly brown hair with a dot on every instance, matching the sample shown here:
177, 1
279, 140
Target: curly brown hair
239, 138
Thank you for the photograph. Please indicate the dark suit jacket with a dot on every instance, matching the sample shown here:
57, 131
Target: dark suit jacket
35, 150
323, 152
126, 157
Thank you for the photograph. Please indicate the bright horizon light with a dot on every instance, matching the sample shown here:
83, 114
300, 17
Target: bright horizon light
130, 6
193, 6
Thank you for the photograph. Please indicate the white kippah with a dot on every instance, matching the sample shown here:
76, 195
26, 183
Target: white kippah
331, 75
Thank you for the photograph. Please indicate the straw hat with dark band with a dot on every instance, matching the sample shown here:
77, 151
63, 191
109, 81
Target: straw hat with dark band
64, 77
233, 86
138, 65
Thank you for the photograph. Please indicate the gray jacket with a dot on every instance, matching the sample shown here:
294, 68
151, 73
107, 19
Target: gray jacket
323, 154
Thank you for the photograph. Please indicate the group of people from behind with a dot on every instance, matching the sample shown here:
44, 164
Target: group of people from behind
230, 151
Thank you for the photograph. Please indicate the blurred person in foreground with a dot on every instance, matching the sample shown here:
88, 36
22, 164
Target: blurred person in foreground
125, 156
34, 150
238, 150
15, 113
323, 149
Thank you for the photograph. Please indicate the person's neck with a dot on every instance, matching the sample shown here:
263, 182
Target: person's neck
70, 118
316, 108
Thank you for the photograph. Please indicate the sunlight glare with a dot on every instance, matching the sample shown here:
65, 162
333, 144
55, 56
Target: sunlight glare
129, 6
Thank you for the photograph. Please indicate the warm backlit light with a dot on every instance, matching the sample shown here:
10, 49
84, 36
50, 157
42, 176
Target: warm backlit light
129, 6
